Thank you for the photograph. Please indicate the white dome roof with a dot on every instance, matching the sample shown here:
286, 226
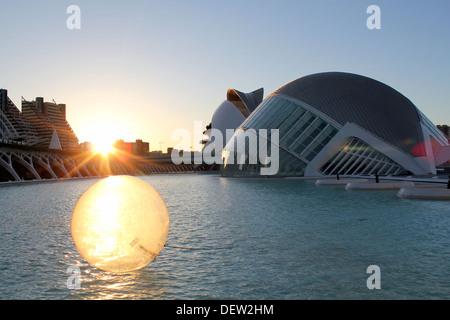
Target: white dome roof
226, 116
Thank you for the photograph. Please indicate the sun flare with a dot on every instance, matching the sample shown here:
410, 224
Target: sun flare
104, 147
104, 136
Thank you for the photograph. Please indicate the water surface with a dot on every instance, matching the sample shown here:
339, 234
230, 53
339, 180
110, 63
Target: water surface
237, 239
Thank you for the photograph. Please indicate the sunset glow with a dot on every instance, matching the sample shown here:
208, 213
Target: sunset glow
103, 133
104, 147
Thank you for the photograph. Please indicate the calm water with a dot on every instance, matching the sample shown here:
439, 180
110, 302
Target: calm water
237, 239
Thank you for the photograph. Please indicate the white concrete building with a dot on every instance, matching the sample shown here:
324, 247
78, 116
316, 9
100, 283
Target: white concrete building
341, 123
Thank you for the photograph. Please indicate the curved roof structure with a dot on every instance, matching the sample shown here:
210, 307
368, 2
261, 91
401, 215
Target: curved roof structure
245, 102
332, 123
372, 105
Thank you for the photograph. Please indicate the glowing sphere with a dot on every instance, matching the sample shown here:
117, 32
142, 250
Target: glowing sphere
120, 224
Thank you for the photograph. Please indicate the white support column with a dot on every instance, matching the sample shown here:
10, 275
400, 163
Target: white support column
21, 158
8, 165
45, 165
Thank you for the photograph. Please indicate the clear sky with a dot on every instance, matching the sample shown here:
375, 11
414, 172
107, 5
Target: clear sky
141, 69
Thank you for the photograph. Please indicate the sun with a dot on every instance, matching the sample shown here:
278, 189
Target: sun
102, 131
104, 147
104, 138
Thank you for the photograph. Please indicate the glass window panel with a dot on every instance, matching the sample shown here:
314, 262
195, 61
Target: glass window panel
257, 113
269, 114
315, 133
355, 165
285, 157
369, 167
347, 165
290, 122
292, 134
307, 136
286, 114
321, 125
299, 149
329, 162
315, 144
330, 131
382, 168
315, 148
274, 112
300, 127
361, 149
323, 138
262, 112
310, 156
292, 137
289, 164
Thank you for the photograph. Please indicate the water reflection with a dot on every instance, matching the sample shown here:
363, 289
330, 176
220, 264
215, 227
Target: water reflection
96, 284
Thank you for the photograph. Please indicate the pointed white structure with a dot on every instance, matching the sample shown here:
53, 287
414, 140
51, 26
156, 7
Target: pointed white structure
55, 143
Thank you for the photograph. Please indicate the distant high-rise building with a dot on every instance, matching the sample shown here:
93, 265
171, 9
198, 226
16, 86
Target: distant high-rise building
14, 127
47, 118
87, 146
138, 148
141, 148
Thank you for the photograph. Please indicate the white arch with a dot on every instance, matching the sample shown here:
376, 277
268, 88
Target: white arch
46, 166
8, 165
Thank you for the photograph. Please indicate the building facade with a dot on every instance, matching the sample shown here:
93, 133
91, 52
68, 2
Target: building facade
49, 121
14, 126
138, 148
40, 124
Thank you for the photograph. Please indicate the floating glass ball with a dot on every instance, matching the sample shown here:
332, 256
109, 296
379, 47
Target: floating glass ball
120, 224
